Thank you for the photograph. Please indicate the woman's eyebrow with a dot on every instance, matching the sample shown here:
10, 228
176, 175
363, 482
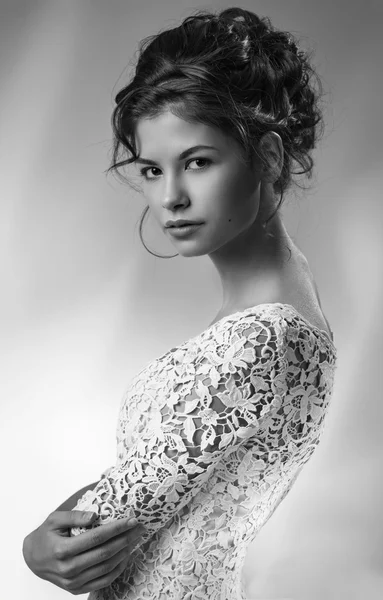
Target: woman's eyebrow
183, 154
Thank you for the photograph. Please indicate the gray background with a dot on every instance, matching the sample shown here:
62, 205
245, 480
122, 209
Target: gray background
83, 306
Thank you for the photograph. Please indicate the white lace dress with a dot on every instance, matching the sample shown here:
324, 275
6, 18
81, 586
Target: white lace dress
211, 436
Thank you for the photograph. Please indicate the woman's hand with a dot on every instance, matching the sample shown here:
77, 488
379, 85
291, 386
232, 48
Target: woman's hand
83, 563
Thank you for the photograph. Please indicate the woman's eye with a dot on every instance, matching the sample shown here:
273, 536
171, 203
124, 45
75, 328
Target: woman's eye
147, 169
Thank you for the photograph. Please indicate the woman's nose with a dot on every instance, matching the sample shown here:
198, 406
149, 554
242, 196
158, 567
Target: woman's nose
170, 203
174, 195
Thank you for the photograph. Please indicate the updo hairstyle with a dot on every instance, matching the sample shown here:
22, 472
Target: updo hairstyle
232, 70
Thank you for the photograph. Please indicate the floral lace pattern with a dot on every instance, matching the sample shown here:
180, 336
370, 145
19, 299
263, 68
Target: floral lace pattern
211, 437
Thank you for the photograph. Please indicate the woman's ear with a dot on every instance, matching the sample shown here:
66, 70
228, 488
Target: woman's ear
271, 148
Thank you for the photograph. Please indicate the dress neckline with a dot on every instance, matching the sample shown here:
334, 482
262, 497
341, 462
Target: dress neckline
288, 308
281, 305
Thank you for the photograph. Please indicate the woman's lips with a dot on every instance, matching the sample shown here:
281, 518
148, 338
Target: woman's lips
184, 230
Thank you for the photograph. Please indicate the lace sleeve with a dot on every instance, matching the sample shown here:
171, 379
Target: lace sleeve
238, 380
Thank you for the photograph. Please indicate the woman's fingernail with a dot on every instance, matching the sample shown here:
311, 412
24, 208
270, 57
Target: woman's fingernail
132, 522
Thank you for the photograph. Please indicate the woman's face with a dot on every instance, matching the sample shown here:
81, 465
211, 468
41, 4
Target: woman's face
210, 185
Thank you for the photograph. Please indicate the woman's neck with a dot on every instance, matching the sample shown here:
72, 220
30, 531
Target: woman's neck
253, 267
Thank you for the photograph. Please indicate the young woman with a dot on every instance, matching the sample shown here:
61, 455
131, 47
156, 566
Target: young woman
220, 113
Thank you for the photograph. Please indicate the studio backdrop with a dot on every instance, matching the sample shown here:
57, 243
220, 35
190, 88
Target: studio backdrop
83, 305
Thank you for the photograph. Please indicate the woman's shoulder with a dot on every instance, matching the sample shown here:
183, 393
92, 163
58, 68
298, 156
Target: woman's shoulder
295, 289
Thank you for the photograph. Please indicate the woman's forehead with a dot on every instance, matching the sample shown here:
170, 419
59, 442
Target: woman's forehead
173, 134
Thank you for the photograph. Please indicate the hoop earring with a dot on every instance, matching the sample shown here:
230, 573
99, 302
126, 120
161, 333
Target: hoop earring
158, 255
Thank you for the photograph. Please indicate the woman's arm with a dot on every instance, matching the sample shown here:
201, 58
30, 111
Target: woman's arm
209, 402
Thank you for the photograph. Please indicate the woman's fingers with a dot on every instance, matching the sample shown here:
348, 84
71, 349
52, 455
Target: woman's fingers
94, 560
66, 519
99, 535
103, 581
103, 573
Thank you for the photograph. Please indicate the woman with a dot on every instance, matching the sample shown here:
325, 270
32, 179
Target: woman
212, 434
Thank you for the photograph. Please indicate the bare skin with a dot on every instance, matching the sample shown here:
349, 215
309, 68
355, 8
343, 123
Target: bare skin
293, 283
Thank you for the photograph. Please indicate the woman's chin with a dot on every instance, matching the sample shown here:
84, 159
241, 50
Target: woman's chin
189, 252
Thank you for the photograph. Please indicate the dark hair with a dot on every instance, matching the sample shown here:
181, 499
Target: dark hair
232, 70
